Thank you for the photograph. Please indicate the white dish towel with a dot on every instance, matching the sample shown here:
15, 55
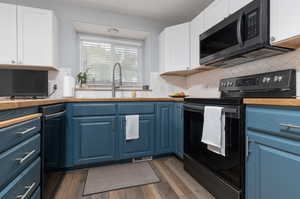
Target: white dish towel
214, 129
132, 127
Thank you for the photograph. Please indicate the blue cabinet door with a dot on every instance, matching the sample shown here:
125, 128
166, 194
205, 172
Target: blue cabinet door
273, 166
165, 134
178, 125
94, 139
143, 146
273, 157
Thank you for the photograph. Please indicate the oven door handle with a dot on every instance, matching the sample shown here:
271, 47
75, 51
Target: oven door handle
197, 108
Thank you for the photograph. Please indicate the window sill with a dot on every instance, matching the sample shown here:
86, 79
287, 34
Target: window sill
109, 89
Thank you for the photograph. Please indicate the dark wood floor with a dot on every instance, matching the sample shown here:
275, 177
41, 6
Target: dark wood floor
175, 184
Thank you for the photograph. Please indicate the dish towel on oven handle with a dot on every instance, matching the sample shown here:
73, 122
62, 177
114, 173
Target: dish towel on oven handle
132, 127
213, 133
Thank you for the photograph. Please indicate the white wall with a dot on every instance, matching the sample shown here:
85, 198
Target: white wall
206, 84
67, 14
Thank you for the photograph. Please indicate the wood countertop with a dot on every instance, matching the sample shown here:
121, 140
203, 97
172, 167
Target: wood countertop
14, 104
273, 101
19, 120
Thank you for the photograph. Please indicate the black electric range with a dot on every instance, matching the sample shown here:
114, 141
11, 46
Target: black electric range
224, 177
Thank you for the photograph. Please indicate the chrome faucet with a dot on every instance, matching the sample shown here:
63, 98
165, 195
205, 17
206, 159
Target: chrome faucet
114, 87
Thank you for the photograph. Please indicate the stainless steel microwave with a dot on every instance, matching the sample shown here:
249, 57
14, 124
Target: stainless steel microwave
242, 37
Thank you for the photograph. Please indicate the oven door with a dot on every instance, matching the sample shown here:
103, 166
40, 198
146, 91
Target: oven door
228, 168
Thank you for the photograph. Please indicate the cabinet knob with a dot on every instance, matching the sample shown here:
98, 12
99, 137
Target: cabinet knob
13, 61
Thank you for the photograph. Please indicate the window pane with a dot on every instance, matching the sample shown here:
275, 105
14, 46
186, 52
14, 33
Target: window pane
128, 57
100, 57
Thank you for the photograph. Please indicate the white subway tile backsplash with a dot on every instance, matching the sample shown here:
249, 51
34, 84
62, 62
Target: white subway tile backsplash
206, 84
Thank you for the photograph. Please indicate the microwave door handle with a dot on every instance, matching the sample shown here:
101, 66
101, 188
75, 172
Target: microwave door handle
239, 30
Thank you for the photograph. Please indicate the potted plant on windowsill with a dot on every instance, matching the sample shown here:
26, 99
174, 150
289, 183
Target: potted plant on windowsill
82, 79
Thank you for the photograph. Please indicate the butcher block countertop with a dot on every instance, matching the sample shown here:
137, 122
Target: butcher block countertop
273, 101
14, 104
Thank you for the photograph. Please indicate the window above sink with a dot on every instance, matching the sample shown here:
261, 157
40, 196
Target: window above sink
99, 54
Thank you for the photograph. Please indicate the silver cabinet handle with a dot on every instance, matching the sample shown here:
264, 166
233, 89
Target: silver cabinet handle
290, 126
29, 189
27, 155
26, 131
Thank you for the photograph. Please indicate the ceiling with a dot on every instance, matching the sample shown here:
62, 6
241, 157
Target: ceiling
105, 31
163, 11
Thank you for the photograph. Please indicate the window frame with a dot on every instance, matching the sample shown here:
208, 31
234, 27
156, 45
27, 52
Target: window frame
114, 41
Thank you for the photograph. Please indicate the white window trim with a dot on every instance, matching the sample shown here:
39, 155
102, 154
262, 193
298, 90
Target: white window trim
116, 41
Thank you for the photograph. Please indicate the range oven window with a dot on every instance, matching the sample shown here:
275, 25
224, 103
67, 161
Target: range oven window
229, 167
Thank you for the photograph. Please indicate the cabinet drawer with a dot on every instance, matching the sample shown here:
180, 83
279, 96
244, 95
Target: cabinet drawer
25, 183
15, 134
93, 109
10, 114
16, 159
37, 194
136, 108
273, 120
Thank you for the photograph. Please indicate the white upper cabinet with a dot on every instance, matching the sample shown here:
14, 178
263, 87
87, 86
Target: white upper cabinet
197, 28
161, 52
215, 13
285, 18
28, 36
8, 34
235, 5
36, 37
175, 48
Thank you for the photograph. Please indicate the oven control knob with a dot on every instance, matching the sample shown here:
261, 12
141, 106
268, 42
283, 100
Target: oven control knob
268, 79
264, 80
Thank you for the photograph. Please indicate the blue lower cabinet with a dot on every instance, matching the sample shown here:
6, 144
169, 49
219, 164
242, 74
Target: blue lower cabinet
165, 134
178, 128
273, 157
143, 146
94, 139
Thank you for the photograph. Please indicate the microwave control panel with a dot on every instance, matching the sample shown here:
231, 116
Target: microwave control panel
252, 23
